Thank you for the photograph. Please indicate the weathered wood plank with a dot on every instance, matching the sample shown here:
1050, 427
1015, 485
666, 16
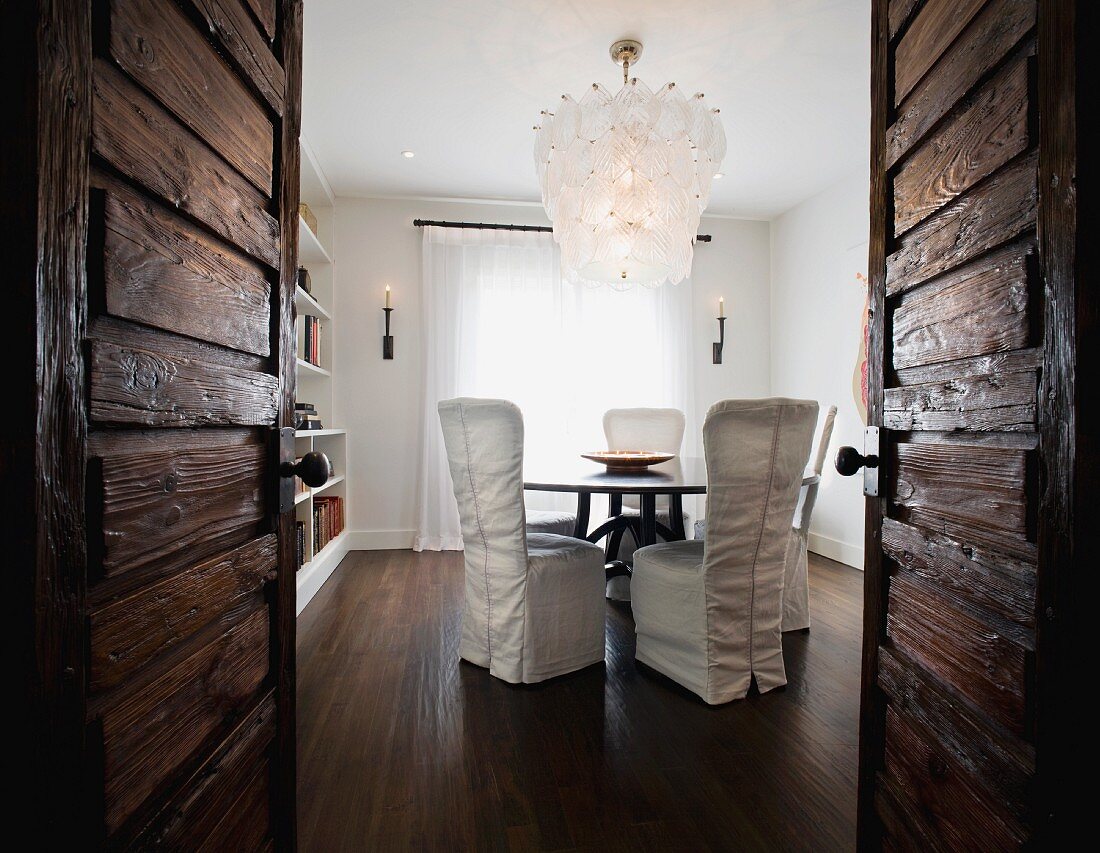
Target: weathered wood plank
247, 822
141, 140
983, 402
959, 810
162, 271
1003, 761
1006, 440
230, 24
978, 309
994, 212
900, 10
178, 507
264, 10
186, 823
973, 494
999, 362
965, 653
131, 631
107, 443
143, 386
153, 732
1000, 586
997, 29
928, 37
43, 207
990, 129
165, 53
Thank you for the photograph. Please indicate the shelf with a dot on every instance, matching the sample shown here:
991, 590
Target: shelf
332, 481
330, 546
307, 433
301, 496
305, 368
310, 250
306, 304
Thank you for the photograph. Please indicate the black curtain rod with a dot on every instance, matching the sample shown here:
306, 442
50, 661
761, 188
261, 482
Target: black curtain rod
488, 226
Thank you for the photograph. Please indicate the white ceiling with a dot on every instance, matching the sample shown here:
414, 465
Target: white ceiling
461, 82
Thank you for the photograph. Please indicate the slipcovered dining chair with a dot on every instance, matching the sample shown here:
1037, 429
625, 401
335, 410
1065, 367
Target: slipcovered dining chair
534, 603
796, 576
708, 612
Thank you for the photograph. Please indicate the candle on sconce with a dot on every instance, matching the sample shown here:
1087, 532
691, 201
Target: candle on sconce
387, 296
721, 307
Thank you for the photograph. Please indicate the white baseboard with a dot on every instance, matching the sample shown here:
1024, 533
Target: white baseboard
842, 552
312, 576
381, 540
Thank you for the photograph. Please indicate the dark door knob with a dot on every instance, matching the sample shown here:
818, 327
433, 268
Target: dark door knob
312, 468
849, 460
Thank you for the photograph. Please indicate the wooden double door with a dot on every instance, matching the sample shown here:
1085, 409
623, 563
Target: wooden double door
151, 182
980, 538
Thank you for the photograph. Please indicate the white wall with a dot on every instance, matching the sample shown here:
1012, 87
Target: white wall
818, 247
378, 401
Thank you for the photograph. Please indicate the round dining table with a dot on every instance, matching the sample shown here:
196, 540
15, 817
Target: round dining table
683, 475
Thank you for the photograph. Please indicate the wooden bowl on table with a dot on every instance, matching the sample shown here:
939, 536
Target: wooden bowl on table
628, 460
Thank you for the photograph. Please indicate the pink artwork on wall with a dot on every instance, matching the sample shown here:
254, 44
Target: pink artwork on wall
859, 378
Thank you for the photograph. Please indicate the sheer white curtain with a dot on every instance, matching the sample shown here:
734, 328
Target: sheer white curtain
499, 320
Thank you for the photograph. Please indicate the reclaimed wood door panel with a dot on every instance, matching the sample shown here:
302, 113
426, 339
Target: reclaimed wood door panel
132, 630
158, 150
976, 309
149, 733
140, 139
161, 271
246, 48
164, 52
997, 30
974, 313
166, 507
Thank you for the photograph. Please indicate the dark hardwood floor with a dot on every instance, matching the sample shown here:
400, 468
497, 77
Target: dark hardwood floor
401, 747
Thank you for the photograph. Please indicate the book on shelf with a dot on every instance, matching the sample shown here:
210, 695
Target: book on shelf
309, 340
306, 417
300, 534
328, 520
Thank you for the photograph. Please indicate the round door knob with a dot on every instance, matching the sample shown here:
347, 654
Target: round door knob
849, 460
312, 468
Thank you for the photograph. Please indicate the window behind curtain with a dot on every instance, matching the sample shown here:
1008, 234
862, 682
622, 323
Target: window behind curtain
501, 321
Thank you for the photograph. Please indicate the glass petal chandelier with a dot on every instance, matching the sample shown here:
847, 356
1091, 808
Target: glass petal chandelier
624, 178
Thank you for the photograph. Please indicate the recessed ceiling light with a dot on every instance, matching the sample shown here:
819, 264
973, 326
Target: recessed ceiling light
408, 154
719, 174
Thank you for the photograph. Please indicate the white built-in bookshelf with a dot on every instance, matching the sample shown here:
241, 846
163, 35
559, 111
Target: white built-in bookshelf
315, 381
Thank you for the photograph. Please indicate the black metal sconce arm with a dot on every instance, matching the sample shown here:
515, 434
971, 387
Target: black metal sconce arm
721, 342
387, 339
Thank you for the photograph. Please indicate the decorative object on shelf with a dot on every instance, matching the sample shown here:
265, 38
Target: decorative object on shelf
307, 215
303, 280
628, 460
721, 342
387, 339
306, 417
625, 178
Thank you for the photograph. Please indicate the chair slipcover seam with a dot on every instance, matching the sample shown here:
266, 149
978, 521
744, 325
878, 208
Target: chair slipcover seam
759, 538
481, 532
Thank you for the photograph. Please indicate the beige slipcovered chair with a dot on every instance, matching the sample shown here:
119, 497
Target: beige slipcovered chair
534, 603
708, 612
796, 576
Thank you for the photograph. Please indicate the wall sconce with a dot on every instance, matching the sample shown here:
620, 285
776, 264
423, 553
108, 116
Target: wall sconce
387, 339
721, 342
